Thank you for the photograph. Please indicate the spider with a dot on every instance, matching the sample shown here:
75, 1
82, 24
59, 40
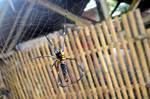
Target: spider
60, 62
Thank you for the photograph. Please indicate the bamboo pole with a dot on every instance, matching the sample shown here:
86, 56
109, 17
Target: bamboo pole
93, 52
129, 61
115, 65
46, 66
139, 46
70, 52
89, 59
43, 74
60, 90
28, 72
134, 55
85, 61
18, 85
31, 72
53, 75
57, 42
120, 57
24, 75
78, 20
142, 31
76, 53
38, 73
48, 62
74, 87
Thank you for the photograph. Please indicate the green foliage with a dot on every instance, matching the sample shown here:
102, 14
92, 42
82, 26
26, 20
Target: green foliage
112, 4
123, 7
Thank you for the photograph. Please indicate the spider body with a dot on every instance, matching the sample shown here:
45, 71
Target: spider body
59, 53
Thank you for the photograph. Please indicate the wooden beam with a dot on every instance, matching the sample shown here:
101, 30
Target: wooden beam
53, 7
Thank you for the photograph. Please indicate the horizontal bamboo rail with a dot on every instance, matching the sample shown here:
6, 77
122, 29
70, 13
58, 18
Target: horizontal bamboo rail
115, 54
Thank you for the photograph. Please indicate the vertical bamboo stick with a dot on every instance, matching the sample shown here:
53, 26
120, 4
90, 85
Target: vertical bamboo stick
20, 69
53, 77
115, 65
87, 68
97, 65
37, 74
129, 61
142, 31
48, 62
28, 73
74, 87
101, 56
88, 55
89, 60
55, 74
139, 47
75, 64
76, 53
120, 57
21, 87
72, 73
134, 55
20, 91
148, 34
31, 72
112, 48
27, 81
43, 73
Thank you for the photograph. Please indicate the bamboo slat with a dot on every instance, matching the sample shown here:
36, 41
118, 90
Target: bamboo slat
134, 55
129, 61
114, 54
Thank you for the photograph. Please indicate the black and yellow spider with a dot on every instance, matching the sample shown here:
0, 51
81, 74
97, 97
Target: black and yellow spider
60, 64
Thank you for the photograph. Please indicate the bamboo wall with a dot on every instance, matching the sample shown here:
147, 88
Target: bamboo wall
115, 53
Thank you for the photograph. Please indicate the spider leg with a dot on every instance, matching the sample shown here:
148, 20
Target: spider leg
44, 57
81, 70
56, 65
80, 65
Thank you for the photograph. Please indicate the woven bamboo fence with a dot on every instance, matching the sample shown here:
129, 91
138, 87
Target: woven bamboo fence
115, 53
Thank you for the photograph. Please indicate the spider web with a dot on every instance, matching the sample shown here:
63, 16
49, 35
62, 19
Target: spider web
32, 20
